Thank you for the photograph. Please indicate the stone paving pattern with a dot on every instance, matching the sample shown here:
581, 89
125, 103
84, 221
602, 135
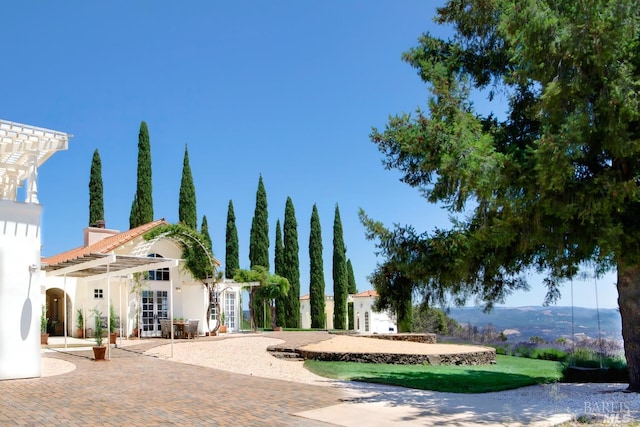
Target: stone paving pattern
136, 390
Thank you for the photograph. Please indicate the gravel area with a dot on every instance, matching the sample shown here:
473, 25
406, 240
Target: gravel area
242, 355
52, 366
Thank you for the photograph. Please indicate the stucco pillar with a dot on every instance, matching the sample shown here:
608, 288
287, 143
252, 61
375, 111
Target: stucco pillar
21, 298
32, 179
10, 186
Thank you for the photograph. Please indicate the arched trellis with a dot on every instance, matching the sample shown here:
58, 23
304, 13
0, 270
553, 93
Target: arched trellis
187, 237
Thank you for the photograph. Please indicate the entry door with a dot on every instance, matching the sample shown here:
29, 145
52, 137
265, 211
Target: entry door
155, 306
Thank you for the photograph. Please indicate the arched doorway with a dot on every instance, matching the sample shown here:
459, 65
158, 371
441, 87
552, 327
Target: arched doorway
55, 312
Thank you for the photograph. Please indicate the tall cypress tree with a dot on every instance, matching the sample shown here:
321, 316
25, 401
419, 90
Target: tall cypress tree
187, 201
352, 289
232, 250
259, 245
204, 230
291, 265
339, 274
96, 191
278, 266
316, 272
142, 207
259, 238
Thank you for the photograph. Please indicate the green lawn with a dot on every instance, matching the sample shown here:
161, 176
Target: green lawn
508, 373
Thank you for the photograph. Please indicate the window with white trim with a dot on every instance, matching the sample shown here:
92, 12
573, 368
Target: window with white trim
98, 294
160, 274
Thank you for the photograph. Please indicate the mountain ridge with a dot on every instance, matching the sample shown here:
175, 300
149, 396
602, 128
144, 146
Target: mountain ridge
550, 323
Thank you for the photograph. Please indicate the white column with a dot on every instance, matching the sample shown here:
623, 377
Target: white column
10, 186
32, 179
21, 297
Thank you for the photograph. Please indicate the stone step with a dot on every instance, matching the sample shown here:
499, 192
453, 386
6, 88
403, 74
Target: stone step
285, 353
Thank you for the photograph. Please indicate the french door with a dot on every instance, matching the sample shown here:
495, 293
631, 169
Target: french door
155, 306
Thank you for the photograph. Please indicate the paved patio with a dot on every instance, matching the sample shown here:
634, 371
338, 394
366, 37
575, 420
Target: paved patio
136, 390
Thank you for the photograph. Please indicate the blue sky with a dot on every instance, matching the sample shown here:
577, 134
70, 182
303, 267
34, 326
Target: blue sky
286, 89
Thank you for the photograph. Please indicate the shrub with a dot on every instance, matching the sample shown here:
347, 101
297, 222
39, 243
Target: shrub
523, 349
550, 353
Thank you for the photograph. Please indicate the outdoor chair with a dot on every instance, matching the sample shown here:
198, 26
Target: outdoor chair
165, 328
191, 328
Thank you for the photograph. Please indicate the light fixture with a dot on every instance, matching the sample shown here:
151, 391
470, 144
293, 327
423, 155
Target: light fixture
178, 289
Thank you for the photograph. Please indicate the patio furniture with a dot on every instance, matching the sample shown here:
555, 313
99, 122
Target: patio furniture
179, 329
191, 329
165, 328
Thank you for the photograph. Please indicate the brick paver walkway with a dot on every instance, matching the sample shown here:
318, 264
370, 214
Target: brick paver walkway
136, 390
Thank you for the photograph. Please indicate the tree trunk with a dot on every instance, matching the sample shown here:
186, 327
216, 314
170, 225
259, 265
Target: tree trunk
629, 303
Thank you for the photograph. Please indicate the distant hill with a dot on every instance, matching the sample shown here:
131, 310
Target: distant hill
550, 323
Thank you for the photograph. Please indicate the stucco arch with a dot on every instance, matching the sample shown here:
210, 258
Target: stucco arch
55, 310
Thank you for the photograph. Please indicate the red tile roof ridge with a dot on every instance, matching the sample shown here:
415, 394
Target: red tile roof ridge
369, 293
105, 245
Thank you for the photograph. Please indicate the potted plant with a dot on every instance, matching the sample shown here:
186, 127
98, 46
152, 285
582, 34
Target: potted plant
223, 325
80, 323
99, 349
44, 336
113, 324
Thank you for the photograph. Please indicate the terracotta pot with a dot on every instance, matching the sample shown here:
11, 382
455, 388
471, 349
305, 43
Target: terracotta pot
112, 338
44, 339
223, 329
99, 352
80, 333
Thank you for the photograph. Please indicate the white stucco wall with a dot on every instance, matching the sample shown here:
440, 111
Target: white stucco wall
20, 293
379, 323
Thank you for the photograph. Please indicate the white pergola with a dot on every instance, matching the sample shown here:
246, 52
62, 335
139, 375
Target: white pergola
23, 149
103, 266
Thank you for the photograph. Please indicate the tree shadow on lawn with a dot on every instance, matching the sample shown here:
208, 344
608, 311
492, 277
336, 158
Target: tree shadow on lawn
464, 381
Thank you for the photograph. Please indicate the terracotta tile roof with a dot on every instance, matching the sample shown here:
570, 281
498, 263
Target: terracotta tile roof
369, 293
105, 245
305, 297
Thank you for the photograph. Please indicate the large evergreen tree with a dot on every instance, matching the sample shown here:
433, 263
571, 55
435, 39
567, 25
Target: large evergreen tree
278, 265
259, 237
339, 274
259, 246
352, 289
96, 191
187, 201
552, 184
316, 272
232, 248
204, 230
291, 265
142, 206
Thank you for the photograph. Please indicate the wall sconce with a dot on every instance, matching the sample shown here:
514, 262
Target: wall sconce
178, 289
